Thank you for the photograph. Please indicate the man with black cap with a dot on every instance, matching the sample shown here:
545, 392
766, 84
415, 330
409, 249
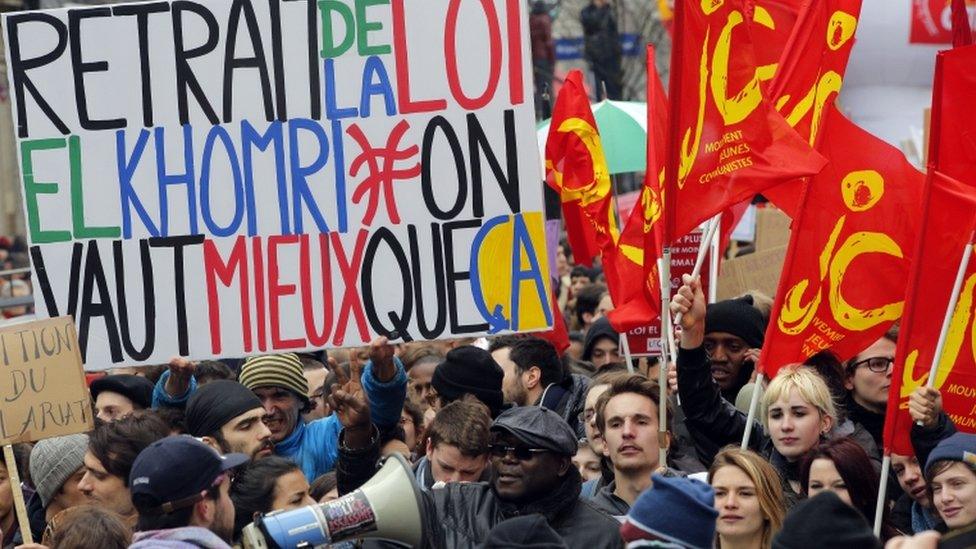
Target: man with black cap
468, 370
228, 417
119, 395
734, 333
531, 473
180, 486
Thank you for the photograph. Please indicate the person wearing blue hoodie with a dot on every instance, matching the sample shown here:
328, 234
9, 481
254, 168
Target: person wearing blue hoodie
278, 381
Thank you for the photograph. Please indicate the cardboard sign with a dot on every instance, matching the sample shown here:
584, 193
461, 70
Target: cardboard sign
755, 271
772, 228
932, 21
228, 177
646, 341
42, 385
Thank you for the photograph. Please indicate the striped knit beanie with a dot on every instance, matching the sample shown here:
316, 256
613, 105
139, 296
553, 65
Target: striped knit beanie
284, 370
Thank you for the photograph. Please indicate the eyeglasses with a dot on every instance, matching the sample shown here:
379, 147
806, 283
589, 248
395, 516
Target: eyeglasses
521, 453
877, 364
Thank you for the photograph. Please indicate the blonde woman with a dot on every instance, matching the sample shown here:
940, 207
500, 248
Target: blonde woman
796, 412
748, 497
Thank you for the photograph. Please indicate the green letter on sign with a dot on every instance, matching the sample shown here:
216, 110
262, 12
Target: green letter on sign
32, 189
364, 28
329, 49
78, 198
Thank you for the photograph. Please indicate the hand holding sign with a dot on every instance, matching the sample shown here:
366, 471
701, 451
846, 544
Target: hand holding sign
381, 355
180, 372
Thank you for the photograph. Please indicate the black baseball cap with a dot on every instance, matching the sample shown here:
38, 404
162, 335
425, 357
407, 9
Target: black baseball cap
538, 427
136, 388
171, 473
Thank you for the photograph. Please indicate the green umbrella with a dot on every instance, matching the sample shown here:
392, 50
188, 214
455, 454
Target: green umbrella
623, 132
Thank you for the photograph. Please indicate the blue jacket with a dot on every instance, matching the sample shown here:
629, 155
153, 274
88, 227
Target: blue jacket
315, 445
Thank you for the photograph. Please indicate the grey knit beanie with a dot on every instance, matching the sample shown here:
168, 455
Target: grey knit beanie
53, 461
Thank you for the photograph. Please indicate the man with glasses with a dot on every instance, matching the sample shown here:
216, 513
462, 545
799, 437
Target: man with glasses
868, 377
531, 474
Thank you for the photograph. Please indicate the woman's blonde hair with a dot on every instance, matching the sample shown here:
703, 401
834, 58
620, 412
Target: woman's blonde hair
769, 488
807, 383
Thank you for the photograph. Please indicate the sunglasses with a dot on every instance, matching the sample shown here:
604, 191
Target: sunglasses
521, 453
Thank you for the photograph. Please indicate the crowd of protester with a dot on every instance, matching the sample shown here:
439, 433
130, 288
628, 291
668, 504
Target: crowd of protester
511, 443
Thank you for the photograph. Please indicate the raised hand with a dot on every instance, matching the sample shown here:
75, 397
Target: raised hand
381, 355
690, 304
925, 405
180, 373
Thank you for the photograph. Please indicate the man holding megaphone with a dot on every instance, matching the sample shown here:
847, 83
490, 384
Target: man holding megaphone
531, 474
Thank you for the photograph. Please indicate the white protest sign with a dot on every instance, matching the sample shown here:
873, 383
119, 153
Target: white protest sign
234, 177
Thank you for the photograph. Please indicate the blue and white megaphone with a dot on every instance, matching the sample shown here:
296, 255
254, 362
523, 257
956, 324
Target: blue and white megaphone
387, 507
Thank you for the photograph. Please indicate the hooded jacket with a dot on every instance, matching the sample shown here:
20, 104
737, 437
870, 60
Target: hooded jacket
568, 398
599, 329
190, 537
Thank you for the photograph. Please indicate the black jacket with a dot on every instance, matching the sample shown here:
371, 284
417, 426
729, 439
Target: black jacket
708, 414
924, 440
461, 515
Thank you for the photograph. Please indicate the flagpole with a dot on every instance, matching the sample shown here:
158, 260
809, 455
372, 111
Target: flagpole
950, 309
702, 250
882, 492
713, 259
667, 344
625, 346
753, 404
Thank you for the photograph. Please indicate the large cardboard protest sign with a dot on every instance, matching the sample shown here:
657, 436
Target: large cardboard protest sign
232, 177
42, 385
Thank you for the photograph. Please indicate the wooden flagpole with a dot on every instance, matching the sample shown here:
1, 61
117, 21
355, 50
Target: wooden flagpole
22, 520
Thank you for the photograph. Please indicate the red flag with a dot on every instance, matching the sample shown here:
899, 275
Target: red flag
809, 78
730, 220
962, 35
727, 142
771, 24
844, 278
558, 335
641, 241
947, 224
577, 169
952, 141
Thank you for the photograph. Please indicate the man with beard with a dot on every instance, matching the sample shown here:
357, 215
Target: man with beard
531, 474
181, 488
534, 376
112, 449
228, 417
278, 381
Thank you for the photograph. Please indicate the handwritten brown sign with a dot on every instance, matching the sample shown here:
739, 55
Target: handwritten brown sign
42, 383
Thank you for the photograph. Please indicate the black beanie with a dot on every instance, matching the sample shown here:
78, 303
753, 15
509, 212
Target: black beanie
737, 317
136, 388
471, 370
824, 521
214, 404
